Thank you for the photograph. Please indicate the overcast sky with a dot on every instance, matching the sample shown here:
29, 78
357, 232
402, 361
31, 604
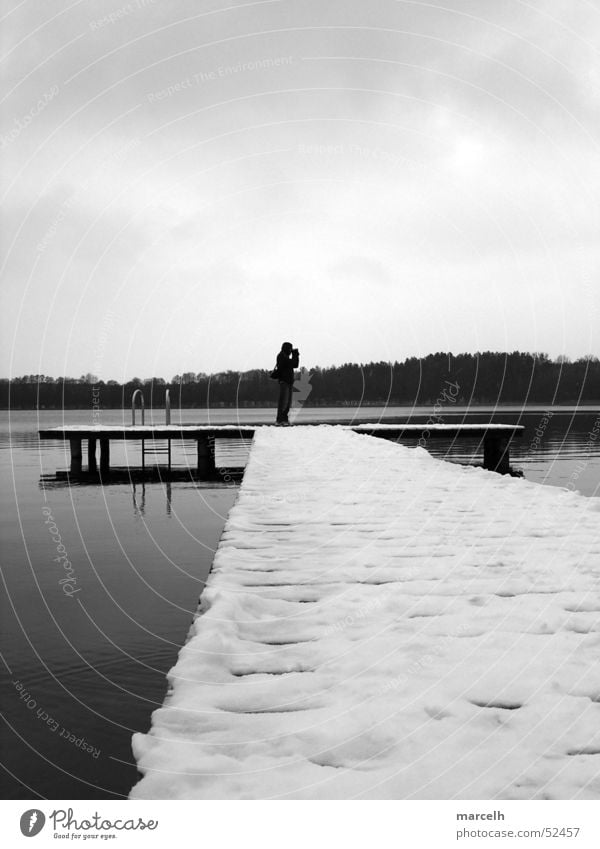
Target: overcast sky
187, 184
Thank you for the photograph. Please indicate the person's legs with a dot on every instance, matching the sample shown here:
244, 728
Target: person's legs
288, 403
283, 405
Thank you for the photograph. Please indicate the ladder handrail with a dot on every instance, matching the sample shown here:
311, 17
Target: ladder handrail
167, 408
133, 397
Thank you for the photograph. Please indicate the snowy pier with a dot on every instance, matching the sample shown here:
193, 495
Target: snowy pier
382, 624
495, 439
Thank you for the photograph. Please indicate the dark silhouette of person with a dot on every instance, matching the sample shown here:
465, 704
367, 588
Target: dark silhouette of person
287, 360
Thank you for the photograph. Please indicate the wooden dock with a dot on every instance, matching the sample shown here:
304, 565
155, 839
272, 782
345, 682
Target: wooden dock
381, 624
495, 440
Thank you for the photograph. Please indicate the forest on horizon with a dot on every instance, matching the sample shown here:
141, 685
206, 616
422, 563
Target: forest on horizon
481, 378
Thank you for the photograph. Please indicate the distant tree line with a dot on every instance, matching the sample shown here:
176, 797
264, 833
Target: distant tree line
482, 378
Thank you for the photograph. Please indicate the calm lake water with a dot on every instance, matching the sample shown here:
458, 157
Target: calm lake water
85, 649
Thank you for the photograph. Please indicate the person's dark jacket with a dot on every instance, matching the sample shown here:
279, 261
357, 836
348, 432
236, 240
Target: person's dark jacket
286, 365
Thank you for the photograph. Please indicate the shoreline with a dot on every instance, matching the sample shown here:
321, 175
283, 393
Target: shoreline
509, 407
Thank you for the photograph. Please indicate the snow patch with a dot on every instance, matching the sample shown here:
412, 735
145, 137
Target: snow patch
386, 625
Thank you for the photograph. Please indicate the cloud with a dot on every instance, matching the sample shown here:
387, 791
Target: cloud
228, 173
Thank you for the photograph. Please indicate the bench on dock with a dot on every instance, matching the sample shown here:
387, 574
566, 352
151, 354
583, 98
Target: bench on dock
495, 437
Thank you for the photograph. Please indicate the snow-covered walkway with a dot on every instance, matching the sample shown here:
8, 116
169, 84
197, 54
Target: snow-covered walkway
381, 624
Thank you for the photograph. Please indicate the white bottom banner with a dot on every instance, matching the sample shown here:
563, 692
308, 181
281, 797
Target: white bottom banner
265, 824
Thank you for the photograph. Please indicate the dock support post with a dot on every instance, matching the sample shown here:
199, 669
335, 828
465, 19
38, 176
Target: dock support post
75, 456
92, 456
496, 453
206, 457
104, 456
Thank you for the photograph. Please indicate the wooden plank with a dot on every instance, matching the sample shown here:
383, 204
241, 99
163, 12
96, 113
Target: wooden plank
158, 432
92, 467
496, 453
396, 431
75, 455
104, 456
206, 457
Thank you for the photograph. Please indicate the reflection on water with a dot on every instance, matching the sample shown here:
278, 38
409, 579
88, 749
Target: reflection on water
101, 585
560, 447
138, 497
88, 664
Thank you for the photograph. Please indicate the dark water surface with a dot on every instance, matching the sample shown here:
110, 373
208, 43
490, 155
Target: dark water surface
100, 583
91, 652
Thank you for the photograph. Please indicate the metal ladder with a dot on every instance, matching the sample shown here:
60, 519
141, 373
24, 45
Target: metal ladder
156, 447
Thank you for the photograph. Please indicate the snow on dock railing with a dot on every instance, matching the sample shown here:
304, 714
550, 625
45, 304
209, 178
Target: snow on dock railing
381, 624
